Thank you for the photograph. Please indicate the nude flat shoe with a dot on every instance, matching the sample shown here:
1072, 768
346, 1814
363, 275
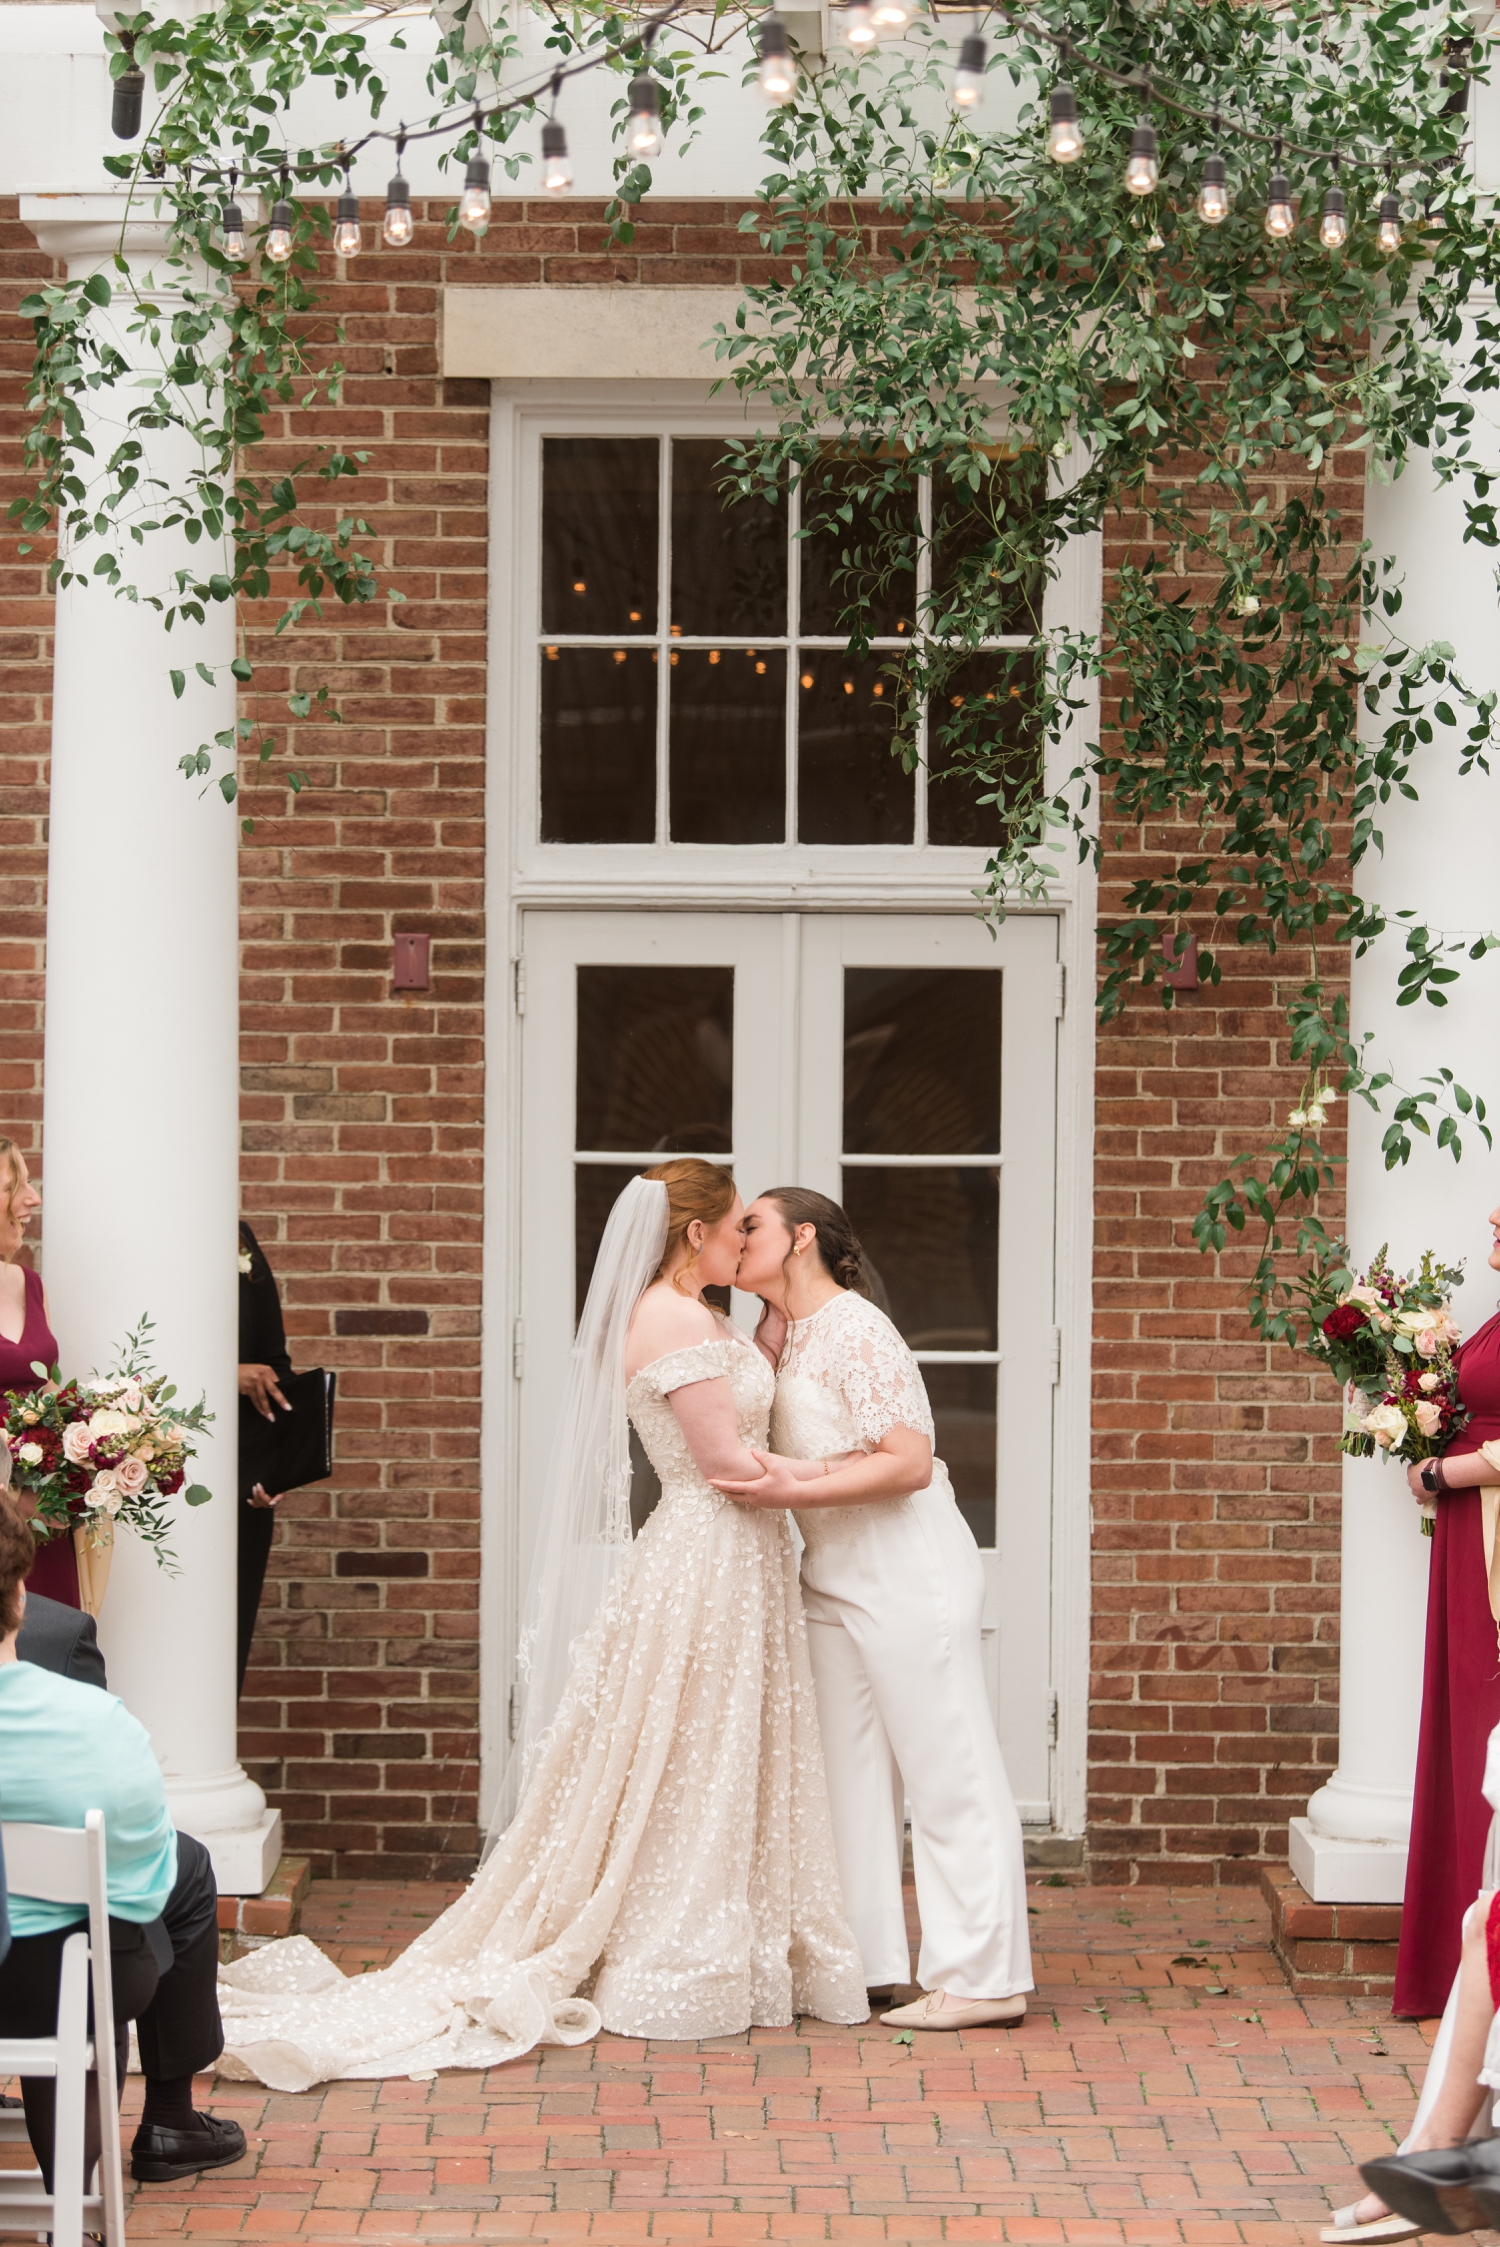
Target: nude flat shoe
929, 2012
1379, 2230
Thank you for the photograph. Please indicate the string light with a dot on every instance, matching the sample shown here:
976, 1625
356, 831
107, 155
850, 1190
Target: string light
557, 172
474, 203
1388, 227
1213, 187
347, 239
232, 221
1143, 164
778, 75
128, 97
778, 69
283, 227
1281, 219
1333, 229
1064, 133
398, 226
643, 125
968, 79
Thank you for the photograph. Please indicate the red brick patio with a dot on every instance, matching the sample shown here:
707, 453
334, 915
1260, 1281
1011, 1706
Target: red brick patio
1133, 2106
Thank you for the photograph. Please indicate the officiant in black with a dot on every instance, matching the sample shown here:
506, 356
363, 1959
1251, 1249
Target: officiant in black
286, 1429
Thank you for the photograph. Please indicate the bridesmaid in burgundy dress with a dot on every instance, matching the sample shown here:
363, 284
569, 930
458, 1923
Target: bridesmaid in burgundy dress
1460, 1694
27, 1339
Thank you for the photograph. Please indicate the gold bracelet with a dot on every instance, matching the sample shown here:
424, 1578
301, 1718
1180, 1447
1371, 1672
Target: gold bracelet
826, 1468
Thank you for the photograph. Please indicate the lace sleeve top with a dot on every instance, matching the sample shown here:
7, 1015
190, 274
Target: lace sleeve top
853, 1350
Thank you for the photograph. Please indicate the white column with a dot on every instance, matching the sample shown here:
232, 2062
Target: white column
141, 1136
1440, 859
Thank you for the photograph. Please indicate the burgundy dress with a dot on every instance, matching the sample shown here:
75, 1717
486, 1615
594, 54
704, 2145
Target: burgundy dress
1460, 1708
55, 1571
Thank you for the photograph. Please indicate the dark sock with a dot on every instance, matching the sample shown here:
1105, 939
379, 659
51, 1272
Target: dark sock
169, 2101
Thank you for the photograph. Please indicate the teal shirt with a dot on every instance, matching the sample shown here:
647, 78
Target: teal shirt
66, 1749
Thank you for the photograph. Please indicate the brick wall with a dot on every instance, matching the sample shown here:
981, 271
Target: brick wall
1216, 1477
1215, 1486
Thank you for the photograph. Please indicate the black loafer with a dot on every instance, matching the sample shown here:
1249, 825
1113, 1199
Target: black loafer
159, 2155
1437, 2190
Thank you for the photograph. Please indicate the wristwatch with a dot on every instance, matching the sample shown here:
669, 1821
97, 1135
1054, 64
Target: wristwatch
1431, 1478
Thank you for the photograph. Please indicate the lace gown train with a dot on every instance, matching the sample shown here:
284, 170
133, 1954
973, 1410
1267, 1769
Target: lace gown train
670, 1871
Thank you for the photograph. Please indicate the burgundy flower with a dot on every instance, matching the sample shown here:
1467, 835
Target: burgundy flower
1345, 1321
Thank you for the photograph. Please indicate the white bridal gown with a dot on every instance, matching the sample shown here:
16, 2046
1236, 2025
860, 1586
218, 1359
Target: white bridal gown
894, 1593
670, 1871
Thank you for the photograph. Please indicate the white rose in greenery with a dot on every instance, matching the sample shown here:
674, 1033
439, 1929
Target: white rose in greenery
102, 1488
107, 1423
1386, 1424
130, 1397
31, 1455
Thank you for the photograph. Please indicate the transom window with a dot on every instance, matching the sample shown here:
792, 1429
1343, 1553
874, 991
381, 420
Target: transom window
694, 683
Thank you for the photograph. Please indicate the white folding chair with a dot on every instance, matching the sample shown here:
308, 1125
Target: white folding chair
65, 1865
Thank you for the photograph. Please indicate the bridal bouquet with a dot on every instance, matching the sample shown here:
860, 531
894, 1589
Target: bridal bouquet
111, 1450
1390, 1339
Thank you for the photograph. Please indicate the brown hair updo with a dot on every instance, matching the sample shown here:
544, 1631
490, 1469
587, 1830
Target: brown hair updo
837, 1241
696, 1192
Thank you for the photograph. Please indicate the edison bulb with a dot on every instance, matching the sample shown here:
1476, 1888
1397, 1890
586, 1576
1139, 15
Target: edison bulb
643, 125
1388, 232
396, 227
1213, 192
859, 26
347, 239
279, 238
557, 172
778, 69
233, 222
1064, 133
968, 79
474, 203
1281, 219
1143, 165
892, 16
1333, 227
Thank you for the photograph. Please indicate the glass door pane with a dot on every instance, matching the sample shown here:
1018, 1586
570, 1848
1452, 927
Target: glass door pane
645, 1035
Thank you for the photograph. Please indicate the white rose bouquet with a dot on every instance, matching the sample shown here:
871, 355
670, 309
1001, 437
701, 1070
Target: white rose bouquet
110, 1450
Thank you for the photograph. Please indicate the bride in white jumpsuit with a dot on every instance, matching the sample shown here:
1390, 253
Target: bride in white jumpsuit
893, 1587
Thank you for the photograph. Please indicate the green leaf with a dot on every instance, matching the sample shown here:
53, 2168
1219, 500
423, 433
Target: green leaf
196, 1493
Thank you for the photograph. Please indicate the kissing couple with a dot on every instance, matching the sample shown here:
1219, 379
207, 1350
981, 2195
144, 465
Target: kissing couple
701, 1828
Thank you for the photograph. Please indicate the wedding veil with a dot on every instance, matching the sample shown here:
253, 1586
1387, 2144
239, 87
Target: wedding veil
583, 1541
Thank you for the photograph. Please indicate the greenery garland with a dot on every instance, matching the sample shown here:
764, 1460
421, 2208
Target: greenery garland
1158, 373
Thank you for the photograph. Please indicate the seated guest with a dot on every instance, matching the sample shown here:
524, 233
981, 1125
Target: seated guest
66, 1749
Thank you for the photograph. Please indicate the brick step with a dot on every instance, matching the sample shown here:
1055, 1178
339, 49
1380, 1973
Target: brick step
245, 1922
1330, 1950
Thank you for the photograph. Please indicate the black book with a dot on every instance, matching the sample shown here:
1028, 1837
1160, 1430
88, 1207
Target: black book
297, 1446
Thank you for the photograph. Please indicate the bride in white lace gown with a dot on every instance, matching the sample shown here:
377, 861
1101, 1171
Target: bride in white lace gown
670, 1869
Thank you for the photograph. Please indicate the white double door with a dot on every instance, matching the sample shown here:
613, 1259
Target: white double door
903, 1064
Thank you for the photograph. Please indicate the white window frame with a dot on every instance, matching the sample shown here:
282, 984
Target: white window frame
523, 874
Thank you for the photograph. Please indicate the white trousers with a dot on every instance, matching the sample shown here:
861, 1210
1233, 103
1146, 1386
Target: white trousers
893, 1630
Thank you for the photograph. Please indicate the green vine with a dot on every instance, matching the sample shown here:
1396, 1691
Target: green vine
972, 357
